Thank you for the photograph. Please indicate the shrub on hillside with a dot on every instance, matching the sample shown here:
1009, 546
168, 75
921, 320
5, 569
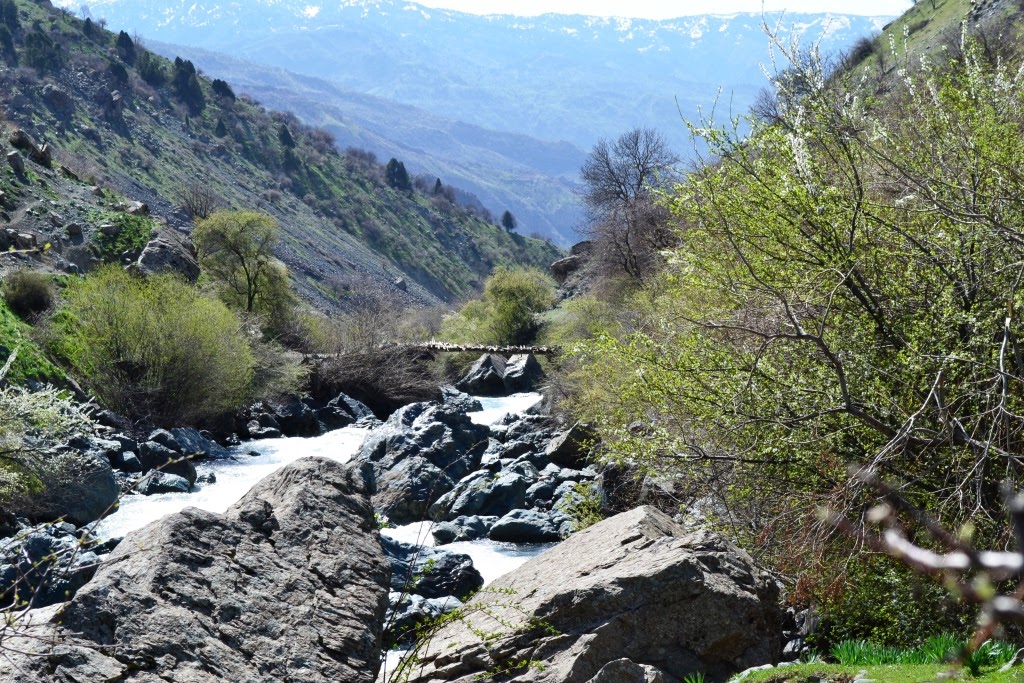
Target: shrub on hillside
28, 293
507, 313
154, 348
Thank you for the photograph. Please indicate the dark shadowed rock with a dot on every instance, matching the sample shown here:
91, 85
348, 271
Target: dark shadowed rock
84, 490
634, 587
430, 572
194, 444
563, 268
531, 526
418, 455
163, 482
290, 584
155, 456
571, 448
486, 377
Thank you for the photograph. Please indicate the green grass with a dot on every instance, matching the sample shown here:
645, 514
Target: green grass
31, 363
892, 673
134, 234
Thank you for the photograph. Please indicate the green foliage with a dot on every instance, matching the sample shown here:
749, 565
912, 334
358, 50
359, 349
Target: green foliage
939, 649
284, 136
396, 176
154, 348
125, 47
28, 293
185, 83
222, 89
583, 506
695, 677
881, 601
508, 221
507, 313
151, 69
9, 15
838, 297
42, 53
236, 253
132, 233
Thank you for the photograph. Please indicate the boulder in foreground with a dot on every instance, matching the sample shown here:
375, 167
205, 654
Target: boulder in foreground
634, 594
290, 584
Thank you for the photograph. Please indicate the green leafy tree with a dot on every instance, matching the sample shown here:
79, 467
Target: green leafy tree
125, 47
284, 136
185, 82
507, 312
9, 15
236, 253
41, 53
151, 69
7, 46
222, 89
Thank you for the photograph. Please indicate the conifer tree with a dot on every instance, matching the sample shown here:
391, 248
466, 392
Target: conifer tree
508, 221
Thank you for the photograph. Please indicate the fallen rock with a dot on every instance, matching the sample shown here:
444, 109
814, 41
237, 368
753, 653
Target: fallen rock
636, 586
16, 162
571, 448
563, 268
430, 572
290, 584
169, 253
155, 456
163, 482
192, 443
81, 489
531, 526
45, 565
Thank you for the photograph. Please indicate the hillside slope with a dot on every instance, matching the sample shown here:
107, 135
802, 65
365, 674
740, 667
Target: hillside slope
535, 179
118, 116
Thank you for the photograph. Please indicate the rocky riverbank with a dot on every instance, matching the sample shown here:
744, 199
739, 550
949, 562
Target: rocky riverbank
295, 582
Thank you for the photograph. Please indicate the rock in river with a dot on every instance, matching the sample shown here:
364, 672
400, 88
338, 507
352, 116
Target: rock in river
290, 584
635, 596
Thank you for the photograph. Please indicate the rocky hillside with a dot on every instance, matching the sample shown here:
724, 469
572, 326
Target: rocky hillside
121, 125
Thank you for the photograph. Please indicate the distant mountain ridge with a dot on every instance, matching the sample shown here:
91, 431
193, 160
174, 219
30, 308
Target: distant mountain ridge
554, 77
439, 73
534, 179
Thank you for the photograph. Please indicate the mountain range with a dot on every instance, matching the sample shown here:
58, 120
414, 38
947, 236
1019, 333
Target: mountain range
446, 80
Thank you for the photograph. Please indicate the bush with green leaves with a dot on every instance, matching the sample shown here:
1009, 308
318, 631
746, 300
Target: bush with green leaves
842, 294
507, 312
154, 348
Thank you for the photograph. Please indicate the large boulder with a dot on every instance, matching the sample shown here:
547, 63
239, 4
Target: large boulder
635, 587
523, 373
486, 377
169, 253
44, 565
531, 526
81, 489
290, 584
418, 455
483, 493
155, 456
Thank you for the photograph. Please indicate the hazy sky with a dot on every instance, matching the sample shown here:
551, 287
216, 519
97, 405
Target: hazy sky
668, 9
